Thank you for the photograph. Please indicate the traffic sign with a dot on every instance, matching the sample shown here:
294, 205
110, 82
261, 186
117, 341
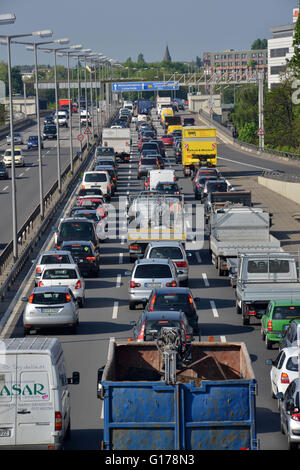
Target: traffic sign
87, 130
144, 86
213, 146
186, 146
261, 132
80, 137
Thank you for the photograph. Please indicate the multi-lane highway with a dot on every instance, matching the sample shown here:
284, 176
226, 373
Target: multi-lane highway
106, 312
27, 178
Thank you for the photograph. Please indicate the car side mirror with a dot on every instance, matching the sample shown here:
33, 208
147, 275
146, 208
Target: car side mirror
132, 323
24, 299
269, 362
279, 396
75, 379
99, 385
127, 273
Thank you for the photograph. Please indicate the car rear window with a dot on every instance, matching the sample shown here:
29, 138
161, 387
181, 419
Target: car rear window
163, 301
286, 312
95, 177
149, 161
80, 250
76, 230
55, 259
149, 146
167, 186
221, 187
153, 327
292, 364
87, 215
153, 271
60, 274
172, 252
273, 266
49, 298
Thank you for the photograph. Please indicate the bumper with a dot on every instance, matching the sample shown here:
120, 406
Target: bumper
50, 321
139, 296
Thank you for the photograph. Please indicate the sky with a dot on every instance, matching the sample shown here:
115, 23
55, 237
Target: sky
121, 29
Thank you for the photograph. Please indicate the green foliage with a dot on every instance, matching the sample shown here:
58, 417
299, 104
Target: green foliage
246, 107
16, 78
141, 59
2, 114
247, 133
294, 62
259, 44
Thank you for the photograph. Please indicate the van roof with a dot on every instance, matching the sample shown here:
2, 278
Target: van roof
49, 346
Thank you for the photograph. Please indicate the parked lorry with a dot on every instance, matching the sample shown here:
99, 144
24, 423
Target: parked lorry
199, 148
120, 140
150, 403
262, 277
236, 229
155, 217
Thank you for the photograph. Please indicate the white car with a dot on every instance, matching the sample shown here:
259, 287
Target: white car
67, 275
62, 118
51, 257
284, 370
98, 179
19, 157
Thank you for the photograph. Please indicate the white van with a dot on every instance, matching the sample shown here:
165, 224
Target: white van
161, 176
97, 179
34, 395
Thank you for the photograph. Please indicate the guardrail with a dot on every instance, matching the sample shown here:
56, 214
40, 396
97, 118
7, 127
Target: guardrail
281, 176
247, 145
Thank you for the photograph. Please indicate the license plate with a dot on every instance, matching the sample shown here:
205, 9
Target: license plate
4, 432
152, 284
49, 310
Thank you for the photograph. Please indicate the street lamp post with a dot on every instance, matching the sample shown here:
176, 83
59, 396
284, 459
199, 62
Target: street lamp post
12, 151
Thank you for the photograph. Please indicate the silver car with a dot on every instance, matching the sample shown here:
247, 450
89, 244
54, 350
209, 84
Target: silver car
51, 257
49, 307
174, 251
66, 275
148, 274
17, 138
289, 407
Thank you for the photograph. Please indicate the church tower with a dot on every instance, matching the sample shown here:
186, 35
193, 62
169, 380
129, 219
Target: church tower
167, 57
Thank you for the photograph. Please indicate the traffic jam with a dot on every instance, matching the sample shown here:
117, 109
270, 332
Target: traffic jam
154, 197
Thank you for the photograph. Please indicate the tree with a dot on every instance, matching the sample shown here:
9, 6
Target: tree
294, 63
259, 44
246, 106
198, 61
248, 132
140, 58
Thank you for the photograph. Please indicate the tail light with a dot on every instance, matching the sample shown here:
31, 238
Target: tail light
197, 185
269, 326
284, 378
68, 298
108, 187
82, 186
38, 270
134, 247
171, 284
41, 284
296, 416
30, 300
134, 284
58, 421
152, 303
191, 301
78, 284
181, 264
142, 333
91, 258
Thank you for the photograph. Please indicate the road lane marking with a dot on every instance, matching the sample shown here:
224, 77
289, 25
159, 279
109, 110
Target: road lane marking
4, 189
245, 164
121, 258
109, 346
119, 277
27, 169
20, 175
115, 310
214, 308
204, 276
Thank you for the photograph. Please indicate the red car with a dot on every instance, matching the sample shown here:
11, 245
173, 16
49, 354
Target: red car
168, 140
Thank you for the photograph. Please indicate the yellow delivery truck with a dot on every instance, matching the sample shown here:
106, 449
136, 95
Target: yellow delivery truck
199, 148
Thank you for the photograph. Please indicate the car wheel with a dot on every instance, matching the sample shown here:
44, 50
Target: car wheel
26, 331
263, 335
246, 320
81, 302
131, 306
185, 283
292, 445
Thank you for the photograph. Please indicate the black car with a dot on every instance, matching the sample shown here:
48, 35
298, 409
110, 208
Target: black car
50, 131
199, 182
176, 298
148, 326
49, 120
84, 255
76, 229
3, 171
168, 188
217, 185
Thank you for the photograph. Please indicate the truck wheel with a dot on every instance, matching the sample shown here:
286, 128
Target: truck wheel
246, 320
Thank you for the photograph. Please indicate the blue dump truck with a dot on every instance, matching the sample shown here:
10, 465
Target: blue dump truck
209, 405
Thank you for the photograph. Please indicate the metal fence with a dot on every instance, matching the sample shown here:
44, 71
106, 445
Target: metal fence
281, 176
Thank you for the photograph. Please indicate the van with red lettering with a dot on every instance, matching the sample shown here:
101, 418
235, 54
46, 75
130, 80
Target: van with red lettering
34, 395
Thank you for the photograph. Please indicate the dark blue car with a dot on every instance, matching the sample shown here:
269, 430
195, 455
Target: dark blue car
33, 142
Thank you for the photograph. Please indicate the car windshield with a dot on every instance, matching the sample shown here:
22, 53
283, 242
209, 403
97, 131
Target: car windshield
33, 137
152, 271
95, 177
153, 327
80, 250
172, 252
286, 313
60, 274
77, 230
105, 151
16, 153
49, 298
55, 259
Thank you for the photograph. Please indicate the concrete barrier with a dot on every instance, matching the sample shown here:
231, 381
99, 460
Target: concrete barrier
286, 189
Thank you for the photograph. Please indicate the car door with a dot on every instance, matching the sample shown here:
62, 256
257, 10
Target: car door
276, 370
35, 400
284, 405
8, 399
